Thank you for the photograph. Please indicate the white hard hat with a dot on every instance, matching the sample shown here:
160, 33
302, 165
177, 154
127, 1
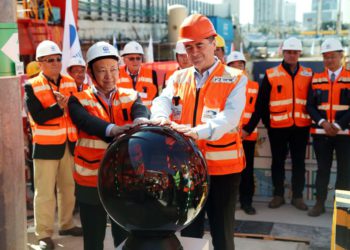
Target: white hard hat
132, 48
235, 56
101, 49
46, 48
180, 48
76, 61
331, 44
292, 43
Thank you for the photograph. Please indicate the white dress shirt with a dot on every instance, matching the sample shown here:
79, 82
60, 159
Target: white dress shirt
226, 120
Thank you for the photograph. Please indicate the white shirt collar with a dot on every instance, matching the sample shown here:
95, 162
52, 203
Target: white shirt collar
337, 72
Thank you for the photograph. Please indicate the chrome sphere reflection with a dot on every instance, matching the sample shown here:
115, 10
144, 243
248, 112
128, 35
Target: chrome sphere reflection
153, 181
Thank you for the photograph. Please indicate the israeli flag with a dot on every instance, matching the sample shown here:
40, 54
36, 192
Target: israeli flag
71, 45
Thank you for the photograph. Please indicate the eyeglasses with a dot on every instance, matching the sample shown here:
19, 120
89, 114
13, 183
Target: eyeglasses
51, 60
134, 58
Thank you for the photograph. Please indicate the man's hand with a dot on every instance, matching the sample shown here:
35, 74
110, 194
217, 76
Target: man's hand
329, 129
117, 130
183, 129
140, 121
62, 100
160, 121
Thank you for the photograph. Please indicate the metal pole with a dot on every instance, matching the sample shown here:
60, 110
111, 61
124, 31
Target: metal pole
13, 233
319, 18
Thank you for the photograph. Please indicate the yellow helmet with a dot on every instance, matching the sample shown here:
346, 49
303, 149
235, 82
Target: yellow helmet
33, 69
220, 42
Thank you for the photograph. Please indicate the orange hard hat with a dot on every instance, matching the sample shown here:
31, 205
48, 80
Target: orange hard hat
33, 69
196, 27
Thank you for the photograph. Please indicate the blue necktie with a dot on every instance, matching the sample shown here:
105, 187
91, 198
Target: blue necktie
332, 77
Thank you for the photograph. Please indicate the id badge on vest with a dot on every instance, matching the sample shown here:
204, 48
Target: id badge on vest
209, 113
177, 111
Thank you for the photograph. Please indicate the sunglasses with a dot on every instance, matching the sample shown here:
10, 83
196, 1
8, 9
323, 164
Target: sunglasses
134, 58
51, 60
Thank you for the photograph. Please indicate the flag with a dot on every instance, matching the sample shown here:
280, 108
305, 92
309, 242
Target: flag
115, 44
71, 45
150, 50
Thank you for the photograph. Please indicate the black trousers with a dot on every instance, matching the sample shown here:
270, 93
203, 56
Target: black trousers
324, 148
295, 139
93, 220
220, 209
246, 188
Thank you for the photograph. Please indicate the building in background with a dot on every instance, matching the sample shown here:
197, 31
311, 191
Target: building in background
329, 14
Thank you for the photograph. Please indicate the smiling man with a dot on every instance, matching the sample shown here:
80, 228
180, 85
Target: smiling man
329, 107
281, 104
54, 137
205, 102
136, 76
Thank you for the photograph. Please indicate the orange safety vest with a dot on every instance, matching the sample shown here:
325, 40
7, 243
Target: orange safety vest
85, 86
89, 149
144, 84
57, 130
251, 96
332, 99
288, 97
194, 107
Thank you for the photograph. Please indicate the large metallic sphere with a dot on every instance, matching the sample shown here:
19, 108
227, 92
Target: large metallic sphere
153, 180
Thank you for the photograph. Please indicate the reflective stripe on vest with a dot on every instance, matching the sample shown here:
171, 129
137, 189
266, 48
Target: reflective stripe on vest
85, 171
92, 143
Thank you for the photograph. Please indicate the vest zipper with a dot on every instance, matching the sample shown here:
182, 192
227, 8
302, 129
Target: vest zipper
195, 108
331, 105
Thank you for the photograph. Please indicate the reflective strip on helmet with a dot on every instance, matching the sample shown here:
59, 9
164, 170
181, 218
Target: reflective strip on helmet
300, 101
50, 132
67, 85
85, 171
340, 107
222, 155
280, 117
252, 91
41, 88
301, 115
340, 132
145, 79
92, 143
281, 102
323, 107
247, 115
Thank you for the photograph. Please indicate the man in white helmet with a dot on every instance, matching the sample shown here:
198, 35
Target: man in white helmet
54, 137
100, 113
328, 105
135, 76
246, 188
77, 70
281, 105
182, 60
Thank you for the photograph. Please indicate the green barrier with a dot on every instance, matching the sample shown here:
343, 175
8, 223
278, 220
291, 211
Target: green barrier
8, 32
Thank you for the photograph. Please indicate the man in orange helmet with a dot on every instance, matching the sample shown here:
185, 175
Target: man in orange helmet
205, 102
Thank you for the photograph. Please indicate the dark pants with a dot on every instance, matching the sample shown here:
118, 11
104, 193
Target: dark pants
93, 220
324, 148
246, 188
220, 209
294, 138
